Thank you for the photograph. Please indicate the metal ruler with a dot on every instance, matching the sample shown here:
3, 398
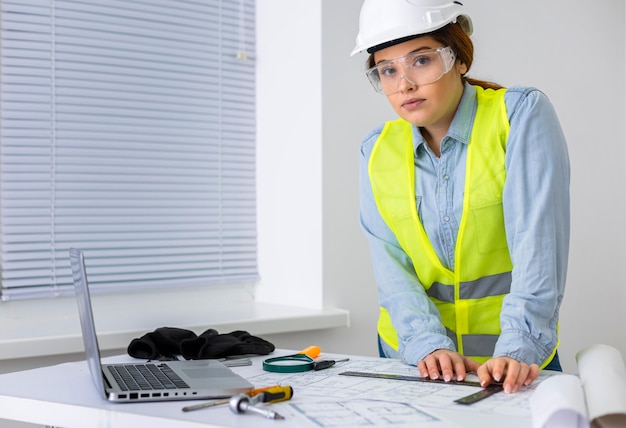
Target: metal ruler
472, 398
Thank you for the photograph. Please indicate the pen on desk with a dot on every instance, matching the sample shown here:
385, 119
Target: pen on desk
269, 394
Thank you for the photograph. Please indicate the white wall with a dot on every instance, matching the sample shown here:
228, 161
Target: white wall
289, 172
347, 277
575, 53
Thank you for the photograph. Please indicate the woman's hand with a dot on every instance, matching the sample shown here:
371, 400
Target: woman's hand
510, 372
447, 365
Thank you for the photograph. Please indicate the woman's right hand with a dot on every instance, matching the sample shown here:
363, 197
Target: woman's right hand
447, 365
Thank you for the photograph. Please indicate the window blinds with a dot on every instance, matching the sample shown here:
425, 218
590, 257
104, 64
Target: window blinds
127, 130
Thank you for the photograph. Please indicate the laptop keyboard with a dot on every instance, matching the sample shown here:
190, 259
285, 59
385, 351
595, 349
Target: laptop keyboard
139, 377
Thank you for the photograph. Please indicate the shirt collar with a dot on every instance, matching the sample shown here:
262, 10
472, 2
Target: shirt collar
463, 121
461, 125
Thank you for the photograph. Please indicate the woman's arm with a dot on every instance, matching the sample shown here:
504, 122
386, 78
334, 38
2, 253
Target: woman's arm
536, 209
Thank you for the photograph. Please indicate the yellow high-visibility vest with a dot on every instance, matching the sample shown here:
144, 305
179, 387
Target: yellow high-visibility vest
469, 298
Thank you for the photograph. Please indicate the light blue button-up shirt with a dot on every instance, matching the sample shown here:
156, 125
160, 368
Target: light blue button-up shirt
536, 212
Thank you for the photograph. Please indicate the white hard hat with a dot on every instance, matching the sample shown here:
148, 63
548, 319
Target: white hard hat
383, 21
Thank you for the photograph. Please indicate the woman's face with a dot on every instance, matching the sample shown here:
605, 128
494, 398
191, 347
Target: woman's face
432, 105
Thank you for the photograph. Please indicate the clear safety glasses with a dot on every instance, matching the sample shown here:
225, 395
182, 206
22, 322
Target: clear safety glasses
419, 68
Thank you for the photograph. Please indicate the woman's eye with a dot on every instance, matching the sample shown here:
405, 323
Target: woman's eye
421, 61
387, 70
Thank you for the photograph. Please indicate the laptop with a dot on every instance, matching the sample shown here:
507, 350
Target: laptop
148, 381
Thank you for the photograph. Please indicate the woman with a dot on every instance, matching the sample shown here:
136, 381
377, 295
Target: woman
464, 201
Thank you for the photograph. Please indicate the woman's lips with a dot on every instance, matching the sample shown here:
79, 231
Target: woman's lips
412, 103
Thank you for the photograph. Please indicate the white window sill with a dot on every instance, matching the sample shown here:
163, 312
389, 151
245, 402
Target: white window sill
51, 327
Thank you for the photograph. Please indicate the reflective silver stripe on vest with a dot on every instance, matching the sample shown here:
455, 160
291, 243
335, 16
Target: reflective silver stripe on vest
492, 285
475, 345
479, 345
441, 292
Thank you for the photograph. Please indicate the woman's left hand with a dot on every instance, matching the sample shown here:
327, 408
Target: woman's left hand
509, 371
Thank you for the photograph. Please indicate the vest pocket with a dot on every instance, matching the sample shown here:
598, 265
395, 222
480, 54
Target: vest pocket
489, 222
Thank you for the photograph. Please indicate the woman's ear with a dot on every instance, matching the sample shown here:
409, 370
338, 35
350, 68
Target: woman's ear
461, 68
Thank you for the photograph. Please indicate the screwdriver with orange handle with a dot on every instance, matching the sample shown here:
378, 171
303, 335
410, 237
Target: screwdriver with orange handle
272, 394
269, 394
313, 352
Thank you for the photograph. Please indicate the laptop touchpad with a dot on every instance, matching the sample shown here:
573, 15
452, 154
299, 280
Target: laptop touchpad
203, 372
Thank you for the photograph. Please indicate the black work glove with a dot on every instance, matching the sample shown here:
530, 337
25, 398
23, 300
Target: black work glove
162, 342
210, 344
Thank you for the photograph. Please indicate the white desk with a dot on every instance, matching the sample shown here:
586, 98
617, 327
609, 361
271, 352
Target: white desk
66, 397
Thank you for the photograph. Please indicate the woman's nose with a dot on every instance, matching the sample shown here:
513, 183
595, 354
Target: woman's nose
405, 84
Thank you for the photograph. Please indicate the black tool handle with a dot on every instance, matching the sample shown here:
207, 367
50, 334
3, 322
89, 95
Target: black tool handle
321, 365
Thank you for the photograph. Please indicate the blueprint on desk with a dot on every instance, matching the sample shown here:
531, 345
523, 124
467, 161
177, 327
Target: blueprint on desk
328, 400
